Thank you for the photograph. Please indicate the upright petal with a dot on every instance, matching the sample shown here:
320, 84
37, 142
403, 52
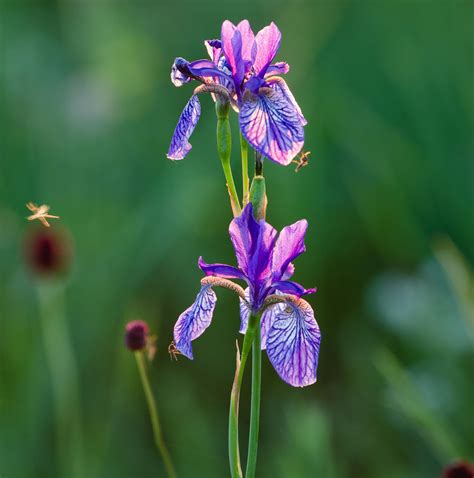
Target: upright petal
220, 270
289, 245
293, 344
272, 125
180, 145
267, 41
253, 243
194, 320
238, 45
214, 49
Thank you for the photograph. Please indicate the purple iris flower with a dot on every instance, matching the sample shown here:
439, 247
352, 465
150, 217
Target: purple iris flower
241, 71
289, 330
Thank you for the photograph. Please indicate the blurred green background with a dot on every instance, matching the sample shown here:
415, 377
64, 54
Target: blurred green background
86, 115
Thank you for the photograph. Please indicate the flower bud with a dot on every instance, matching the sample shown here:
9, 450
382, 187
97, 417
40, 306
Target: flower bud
48, 252
136, 334
460, 469
258, 197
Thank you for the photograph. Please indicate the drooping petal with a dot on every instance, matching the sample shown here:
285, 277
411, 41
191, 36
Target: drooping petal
280, 84
265, 322
293, 288
289, 245
244, 312
238, 45
194, 320
267, 41
272, 125
220, 270
293, 344
180, 145
268, 317
278, 68
178, 77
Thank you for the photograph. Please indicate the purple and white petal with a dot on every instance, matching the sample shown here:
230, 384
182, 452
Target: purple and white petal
289, 245
290, 270
244, 312
278, 83
220, 270
293, 344
268, 317
178, 77
278, 68
194, 320
272, 125
180, 145
292, 288
267, 41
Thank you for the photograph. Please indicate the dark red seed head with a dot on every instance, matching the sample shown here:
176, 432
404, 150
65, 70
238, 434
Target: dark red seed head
460, 469
136, 333
47, 252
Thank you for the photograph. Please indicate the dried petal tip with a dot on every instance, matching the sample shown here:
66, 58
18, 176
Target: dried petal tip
136, 333
47, 252
460, 469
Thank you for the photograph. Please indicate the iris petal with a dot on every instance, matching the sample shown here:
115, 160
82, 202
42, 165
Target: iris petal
293, 288
293, 344
180, 145
220, 270
266, 321
272, 124
267, 41
278, 83
278, 68
194, 320
289, 245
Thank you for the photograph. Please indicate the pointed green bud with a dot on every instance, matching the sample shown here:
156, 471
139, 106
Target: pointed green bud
258, 197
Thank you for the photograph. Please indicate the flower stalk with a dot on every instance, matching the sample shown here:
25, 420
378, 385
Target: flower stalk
244, 152
224, 149
155, 422
234, 453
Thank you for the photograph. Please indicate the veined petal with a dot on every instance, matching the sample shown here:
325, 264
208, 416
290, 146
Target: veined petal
266, 321
280, 84
244, 312
293, 288
180, 145
220, 270
194, 320
178, 77
289, 245
272, 125
278, 68
293, 344
267, 41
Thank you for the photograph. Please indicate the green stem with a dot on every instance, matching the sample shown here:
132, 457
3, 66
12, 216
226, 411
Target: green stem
234, 198
255, 403
244, 150
234, 454
155, 422
64, 377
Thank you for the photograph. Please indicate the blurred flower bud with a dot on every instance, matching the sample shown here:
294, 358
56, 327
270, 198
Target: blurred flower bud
136, 335
460, 469
48, 252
